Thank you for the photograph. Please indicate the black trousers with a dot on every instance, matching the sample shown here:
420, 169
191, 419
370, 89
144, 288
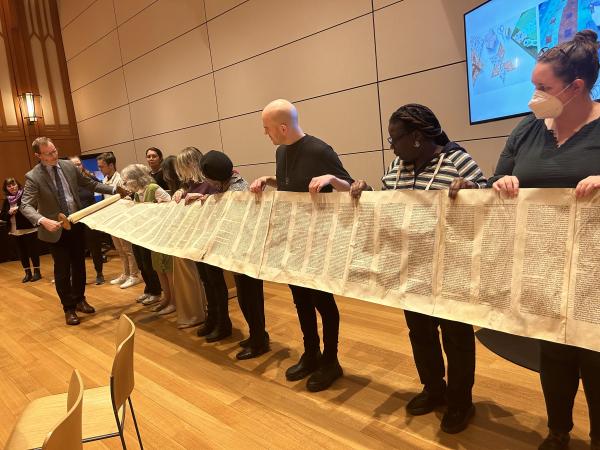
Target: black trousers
216, 296
143, 258
27, 244
308, 302
68, 255
93, 242
459, 344
251, 298
560, 368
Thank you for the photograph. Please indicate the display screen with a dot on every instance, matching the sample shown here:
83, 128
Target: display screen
503, 39
91, 164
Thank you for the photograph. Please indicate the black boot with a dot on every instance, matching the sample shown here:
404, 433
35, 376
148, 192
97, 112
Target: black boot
324, 376
27, 276
309, 362
221, 331
457, 419
555, 441
425, 402
37, 275
206, 328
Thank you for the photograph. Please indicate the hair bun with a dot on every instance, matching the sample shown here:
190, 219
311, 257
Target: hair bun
586, 36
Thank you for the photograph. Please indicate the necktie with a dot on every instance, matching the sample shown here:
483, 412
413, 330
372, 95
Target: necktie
62, 199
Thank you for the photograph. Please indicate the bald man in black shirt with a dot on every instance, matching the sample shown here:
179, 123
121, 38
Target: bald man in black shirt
305, 163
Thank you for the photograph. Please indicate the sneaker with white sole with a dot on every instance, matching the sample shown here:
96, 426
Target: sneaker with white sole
151, 300
131, 281
142, 297
120, 280
167, 310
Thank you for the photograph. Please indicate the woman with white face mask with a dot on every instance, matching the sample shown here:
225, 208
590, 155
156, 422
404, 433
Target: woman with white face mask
559, 147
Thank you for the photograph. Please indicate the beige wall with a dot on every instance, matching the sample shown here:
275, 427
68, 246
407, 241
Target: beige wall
173, 73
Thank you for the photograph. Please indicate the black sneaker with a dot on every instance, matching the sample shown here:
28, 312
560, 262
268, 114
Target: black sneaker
324, 376
424, 403
456, 420
309, 362
99, 279
555, 441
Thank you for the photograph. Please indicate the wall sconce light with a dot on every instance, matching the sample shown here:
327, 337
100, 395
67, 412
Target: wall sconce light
31, 106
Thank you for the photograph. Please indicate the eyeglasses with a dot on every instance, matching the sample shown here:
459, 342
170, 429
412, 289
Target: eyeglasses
397, 138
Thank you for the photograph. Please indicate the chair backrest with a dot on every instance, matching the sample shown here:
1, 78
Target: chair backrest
122, 377
67, 434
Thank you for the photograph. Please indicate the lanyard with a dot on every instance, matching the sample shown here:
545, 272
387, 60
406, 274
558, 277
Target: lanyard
435, 172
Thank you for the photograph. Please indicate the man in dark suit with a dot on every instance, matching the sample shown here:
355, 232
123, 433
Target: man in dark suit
51, 188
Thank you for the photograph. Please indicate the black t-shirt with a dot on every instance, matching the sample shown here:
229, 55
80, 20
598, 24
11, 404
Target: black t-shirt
305, 159
160, 180
532, 155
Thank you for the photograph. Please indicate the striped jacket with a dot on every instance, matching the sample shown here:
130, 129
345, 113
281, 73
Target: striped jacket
456, 163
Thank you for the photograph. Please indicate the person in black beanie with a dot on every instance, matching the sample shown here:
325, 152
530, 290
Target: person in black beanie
217, 169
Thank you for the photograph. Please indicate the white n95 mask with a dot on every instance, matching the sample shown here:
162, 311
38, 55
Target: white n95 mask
547, 106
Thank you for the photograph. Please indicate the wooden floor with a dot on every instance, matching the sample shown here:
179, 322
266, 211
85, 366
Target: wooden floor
194, 395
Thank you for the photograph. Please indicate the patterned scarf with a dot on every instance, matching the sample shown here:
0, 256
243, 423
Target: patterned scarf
13, 200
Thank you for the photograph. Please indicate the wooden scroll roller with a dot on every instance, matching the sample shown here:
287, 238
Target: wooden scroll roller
65, 222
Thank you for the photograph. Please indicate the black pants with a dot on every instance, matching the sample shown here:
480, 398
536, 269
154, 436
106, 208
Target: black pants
252, 303
143, 258
216, 296
561, 366
93, 242
308, 302
68, 255
459, 344
27, 244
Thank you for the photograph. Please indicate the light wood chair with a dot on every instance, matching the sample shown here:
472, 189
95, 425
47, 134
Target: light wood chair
104, 408
31, 431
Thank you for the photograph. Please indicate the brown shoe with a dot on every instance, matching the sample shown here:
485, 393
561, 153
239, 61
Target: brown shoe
85, 307
71, 318
555, 441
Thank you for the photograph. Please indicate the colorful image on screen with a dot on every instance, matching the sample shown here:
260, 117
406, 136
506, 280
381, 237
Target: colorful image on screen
503, 39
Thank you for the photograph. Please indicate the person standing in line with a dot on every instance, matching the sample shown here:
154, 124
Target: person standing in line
305, 163
558, 146
154, 158
138, 179
130, 274
21, 230
93, 238
217, 169
427, 160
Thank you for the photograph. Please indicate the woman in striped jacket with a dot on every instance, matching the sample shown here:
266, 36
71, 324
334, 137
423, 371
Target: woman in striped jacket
426, 159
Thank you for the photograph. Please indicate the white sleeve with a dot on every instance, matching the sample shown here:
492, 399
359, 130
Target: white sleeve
162, 196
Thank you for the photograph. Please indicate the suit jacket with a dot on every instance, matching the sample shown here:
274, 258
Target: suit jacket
40, 197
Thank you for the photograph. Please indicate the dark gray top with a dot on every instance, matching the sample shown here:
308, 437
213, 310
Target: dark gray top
532, 155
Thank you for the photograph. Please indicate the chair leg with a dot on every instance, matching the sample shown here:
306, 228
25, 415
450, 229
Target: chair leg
137, 430
120, 427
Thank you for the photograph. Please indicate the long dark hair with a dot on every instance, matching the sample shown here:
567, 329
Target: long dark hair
170, 173
421, 118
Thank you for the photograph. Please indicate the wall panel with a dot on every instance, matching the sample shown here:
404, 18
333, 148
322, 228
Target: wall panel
157, 24
193, 82
315, 71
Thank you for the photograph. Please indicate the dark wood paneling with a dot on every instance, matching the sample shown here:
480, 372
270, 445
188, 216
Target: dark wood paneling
15, 160
15, 142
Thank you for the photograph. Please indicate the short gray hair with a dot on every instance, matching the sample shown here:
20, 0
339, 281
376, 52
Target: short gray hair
137, 176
